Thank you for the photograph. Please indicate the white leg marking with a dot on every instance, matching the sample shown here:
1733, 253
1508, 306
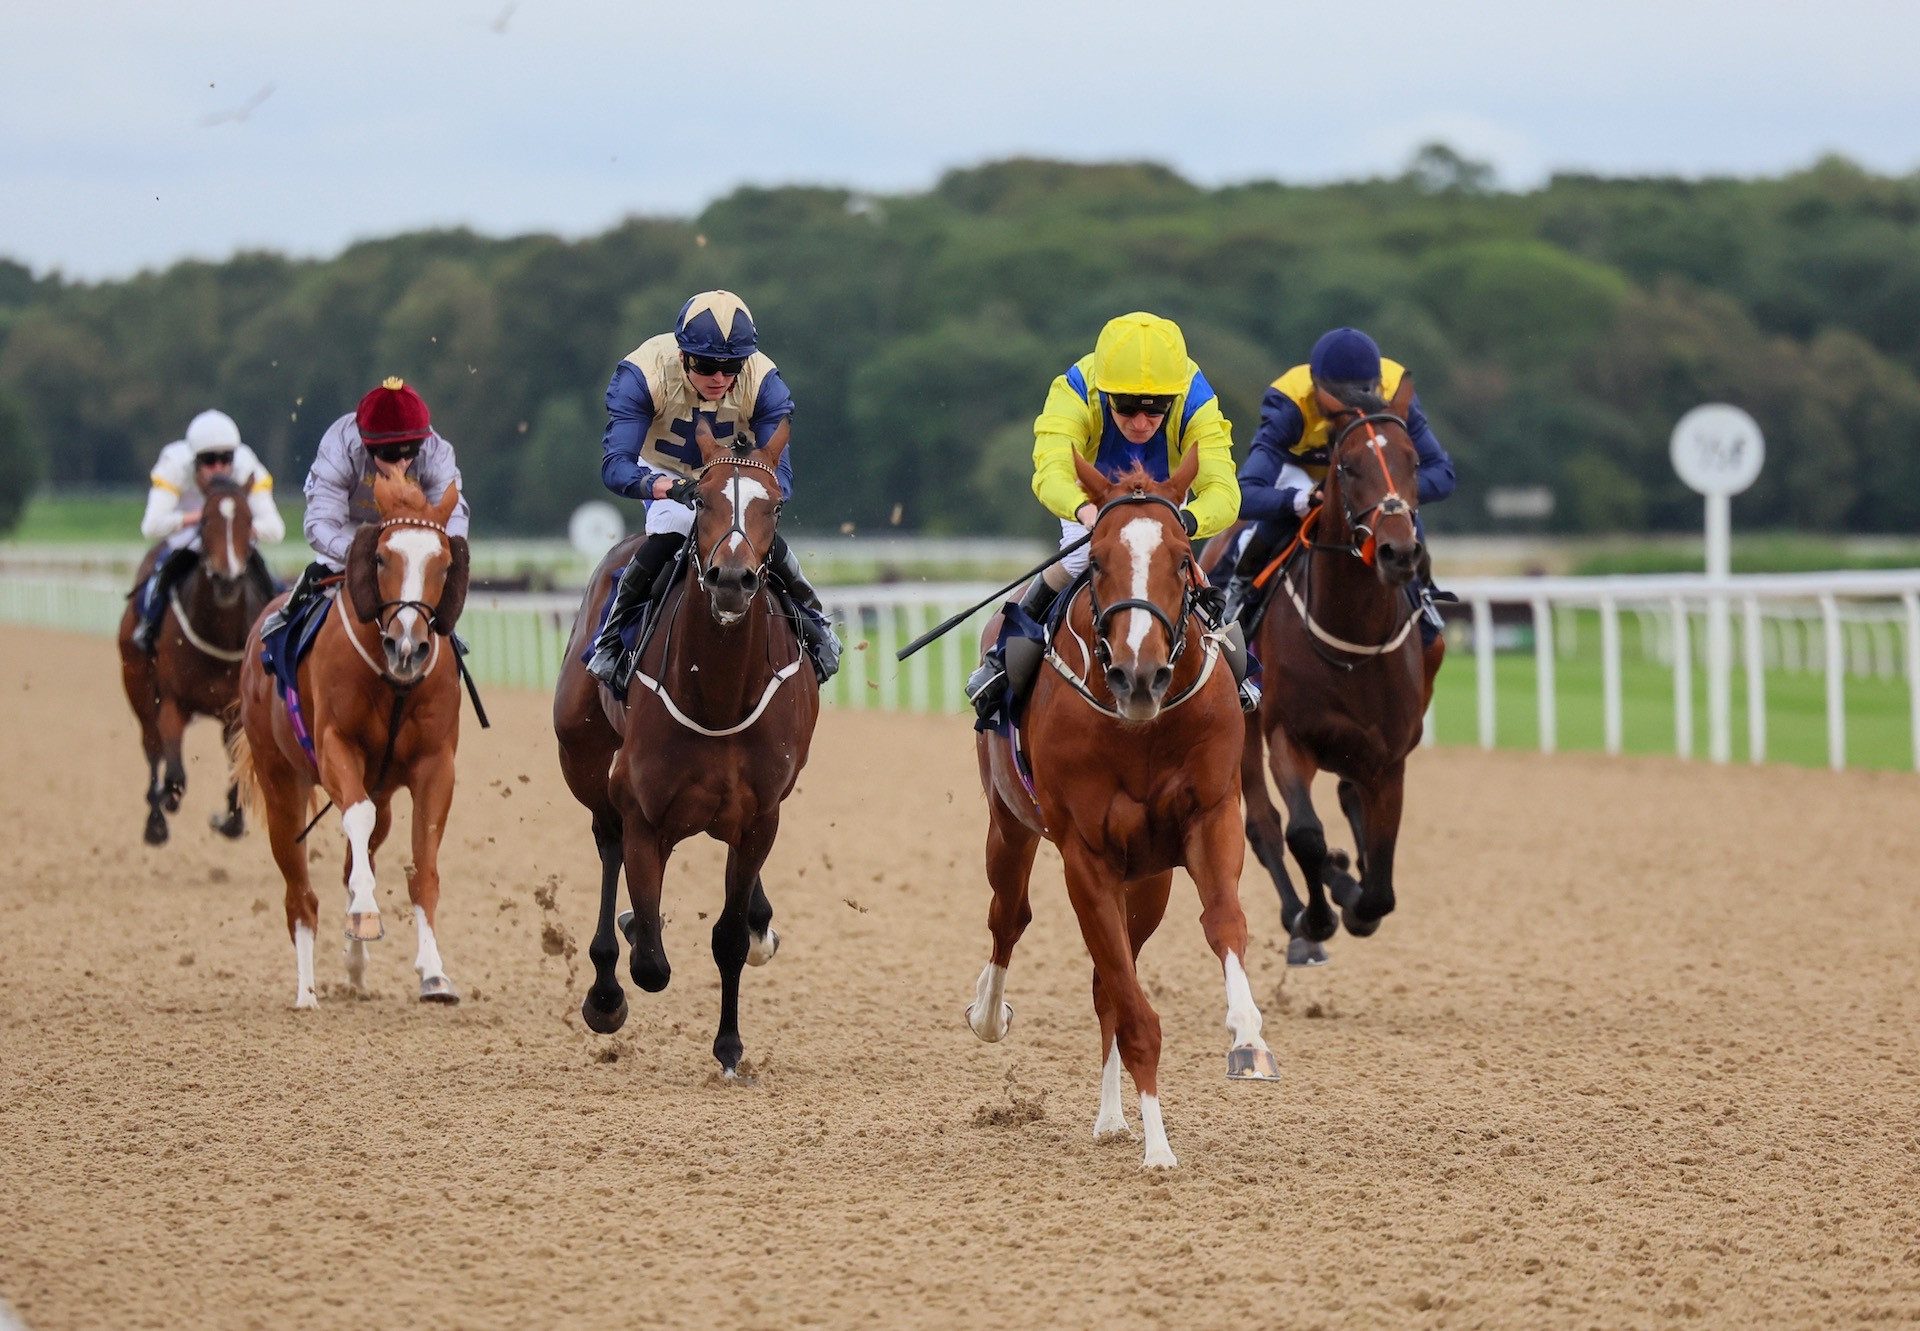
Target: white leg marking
1112, 1121
989, 1014
357, 964
303, 995
1142, 537
1243, 1017
1159, 1154
357, 823
427, 959
761, 947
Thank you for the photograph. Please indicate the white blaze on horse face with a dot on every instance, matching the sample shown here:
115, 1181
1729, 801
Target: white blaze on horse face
233, 560
416, 548
303, 996
357, 823
1159, 1153
1112, 1119
746, 492
1243, 1016
1142, 537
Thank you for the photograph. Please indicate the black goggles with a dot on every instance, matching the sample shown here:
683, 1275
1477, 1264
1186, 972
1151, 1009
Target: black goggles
715, 364
214, 459
1141, 404
401, 452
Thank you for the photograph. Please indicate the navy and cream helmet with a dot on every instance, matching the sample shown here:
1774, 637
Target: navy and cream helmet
716, 324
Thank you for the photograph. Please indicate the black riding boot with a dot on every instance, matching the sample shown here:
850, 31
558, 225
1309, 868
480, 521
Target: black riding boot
171, 571
635, 589
987, 685
1268, 538
305, 588
815, 627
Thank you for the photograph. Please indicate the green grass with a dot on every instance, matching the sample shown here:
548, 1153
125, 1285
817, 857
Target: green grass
1764, 553
1877, 710
80, 519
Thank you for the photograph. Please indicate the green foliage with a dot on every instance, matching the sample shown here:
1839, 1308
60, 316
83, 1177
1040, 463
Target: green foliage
1555, 335
21, 466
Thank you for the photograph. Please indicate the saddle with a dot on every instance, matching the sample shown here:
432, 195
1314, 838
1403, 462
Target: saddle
283, 649
1020, 649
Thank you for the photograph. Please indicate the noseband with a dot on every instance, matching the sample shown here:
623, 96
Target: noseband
384, 612
702, 559
1390, 505
1103, 615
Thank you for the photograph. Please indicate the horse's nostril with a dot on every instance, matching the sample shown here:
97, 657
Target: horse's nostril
1161, 678
1117, 681
749, 582
711, 577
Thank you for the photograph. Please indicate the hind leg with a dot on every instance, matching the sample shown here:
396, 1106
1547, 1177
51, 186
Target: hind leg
1010, 849
732, 933
1379, 827
1146, 907
1293, 772
1215, 855
171, 719
432, 790
1265, 833
604, 1009
233, 823
286, 799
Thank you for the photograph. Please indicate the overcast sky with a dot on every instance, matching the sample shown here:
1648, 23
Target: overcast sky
133, 134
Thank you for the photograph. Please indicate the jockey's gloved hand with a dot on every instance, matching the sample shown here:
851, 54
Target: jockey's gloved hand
1190, 522
683, 491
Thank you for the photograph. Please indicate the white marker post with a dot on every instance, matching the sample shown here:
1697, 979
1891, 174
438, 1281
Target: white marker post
1717, 450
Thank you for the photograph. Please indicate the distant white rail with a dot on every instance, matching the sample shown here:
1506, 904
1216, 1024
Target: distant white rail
1864, 624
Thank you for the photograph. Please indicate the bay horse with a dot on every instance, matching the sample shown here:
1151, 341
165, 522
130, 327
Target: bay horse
1134, 738
379, 697
195, 666
1348, 680
711, 739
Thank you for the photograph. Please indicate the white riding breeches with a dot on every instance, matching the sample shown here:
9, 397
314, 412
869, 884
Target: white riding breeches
666, 515
1076, 563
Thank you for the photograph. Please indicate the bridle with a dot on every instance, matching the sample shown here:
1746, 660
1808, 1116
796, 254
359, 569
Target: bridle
1363, 544
384, 612
702, 559
1103, 615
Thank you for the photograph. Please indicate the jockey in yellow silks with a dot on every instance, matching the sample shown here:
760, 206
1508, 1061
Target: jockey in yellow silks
1137, 399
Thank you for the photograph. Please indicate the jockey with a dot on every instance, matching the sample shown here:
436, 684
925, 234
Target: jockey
391, 424
711, 365
211, 451
1137, 398
1280, 478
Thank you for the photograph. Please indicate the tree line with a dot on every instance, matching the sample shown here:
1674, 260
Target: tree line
1555, 334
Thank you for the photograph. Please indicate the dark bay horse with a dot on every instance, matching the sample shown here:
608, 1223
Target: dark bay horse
716, 727
195, 666
1134, 737
1347, 680
380, 698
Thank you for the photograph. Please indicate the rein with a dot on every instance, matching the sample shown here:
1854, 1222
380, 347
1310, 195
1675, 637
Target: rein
700, 558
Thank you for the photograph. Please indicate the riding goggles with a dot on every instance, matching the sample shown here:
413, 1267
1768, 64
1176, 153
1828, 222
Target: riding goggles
715, 365
1141, 404
219, 459
401, 452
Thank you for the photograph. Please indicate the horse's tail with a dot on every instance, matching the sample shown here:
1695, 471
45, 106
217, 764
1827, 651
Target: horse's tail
246, 781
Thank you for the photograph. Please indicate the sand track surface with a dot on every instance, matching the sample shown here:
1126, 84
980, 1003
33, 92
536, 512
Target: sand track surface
1638, 1048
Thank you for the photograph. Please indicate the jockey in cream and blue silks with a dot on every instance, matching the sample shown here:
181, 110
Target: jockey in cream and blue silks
1289, 456
710, 365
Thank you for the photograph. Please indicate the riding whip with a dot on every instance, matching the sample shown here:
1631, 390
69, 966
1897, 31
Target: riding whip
949, 625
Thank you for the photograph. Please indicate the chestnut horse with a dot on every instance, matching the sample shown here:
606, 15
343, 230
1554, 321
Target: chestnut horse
195, 666
1134, 738
380, 696
712, 737
1347, 680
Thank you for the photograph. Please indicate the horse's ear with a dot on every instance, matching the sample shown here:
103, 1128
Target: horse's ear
777, 443
1182, 479
453, 592
1097, 486
363, 578
1403, 396
448, 502
703, 439
1329, 404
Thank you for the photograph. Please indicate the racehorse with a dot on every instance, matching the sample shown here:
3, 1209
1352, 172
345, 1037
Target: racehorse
1347, 679
712, 737
1134, 740
195, 666
379, 697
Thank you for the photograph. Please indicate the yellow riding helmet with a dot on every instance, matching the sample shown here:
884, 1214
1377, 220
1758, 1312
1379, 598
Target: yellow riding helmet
1140, 353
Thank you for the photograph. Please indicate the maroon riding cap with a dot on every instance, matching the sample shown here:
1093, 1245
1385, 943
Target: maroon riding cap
392, 414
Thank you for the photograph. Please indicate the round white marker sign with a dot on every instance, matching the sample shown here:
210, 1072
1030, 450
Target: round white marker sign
595, 527
1717, 449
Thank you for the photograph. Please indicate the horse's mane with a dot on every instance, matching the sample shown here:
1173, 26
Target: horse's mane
1135, 477
1358, 397
222, 487
399, 496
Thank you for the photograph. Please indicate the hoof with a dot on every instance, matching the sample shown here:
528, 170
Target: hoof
232, 827
304, 1000
603, 1021
1305, 952
987, 1033
624, 923
365, 928
1160, 1159
438, 989
1315, 927
761, 949
156, 831
1356, 926
1252, 1063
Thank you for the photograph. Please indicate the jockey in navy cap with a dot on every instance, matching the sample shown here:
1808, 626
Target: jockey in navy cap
1281, 476
711, 366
